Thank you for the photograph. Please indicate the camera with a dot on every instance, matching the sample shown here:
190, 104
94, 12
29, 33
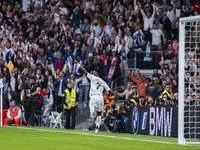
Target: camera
173, 98
148, 102
110, 114
122, 107
162, 101
157, 102
107, 107
126, 105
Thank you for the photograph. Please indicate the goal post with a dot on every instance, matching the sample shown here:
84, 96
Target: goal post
184, 23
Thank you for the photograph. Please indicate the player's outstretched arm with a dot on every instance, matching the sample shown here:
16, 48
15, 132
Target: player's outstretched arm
82, 69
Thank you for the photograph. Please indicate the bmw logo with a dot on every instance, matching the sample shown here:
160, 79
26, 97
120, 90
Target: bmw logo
135, 120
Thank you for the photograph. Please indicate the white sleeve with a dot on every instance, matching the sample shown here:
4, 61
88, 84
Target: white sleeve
143, 14
105, 86
50, 101
135, 34
8, 114
91, 77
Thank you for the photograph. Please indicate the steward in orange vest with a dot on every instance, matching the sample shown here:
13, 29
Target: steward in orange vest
107, 101
13, 114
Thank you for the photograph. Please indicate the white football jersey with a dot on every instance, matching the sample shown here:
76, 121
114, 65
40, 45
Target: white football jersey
97, 85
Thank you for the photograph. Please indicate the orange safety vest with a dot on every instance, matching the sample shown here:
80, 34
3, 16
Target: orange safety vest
107, 101
14, 113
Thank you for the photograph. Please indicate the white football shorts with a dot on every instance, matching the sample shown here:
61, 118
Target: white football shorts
96, 100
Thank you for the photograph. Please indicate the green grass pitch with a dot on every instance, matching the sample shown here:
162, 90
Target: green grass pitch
23, 138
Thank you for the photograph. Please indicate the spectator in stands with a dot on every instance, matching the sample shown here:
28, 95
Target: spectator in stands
141, 101
59, 61
114, 70
47, 106
169, 55
5, 85
83, 90
148, 18
153, 92
140, 84
126, 93
13, 114
157, 83
59, 87
9, 96
133, 98
167, 93
147, 55
155, 74
138, 37
150, 101
157, 35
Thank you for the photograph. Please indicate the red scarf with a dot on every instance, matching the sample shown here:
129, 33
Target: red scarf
59, 65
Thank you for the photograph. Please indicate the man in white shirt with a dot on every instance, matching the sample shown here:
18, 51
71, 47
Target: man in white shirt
156, 35
170, 13
138, 37
63, 10
97, 86
148, 19
128, 38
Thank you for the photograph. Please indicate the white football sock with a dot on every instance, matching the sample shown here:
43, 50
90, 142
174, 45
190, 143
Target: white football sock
98, 121
93, 114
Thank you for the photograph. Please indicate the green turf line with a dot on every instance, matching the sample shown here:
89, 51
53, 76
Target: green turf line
38, 138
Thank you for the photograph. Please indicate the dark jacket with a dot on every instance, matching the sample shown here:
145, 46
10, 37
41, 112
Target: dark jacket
7, 103
57, 84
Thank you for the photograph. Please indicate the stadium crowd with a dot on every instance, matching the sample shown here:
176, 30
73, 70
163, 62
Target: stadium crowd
42, 38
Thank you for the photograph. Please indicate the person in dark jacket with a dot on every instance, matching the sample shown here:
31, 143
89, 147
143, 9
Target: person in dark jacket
153, 92
10, 95
60, 85
18, 63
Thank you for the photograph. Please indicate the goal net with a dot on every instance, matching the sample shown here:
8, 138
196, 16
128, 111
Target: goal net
189, 81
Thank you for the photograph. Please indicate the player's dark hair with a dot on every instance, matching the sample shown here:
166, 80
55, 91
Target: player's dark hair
99, 72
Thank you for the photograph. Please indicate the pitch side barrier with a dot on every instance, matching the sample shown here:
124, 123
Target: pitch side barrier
160, 121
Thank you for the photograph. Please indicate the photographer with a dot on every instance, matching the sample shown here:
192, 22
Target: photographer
150, 101
160, 102
109, 121
124, 112
141, 101
167, 93
133, 98
30, 100
114, 107
111, 111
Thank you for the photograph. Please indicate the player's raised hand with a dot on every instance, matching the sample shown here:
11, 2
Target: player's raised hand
129, 72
